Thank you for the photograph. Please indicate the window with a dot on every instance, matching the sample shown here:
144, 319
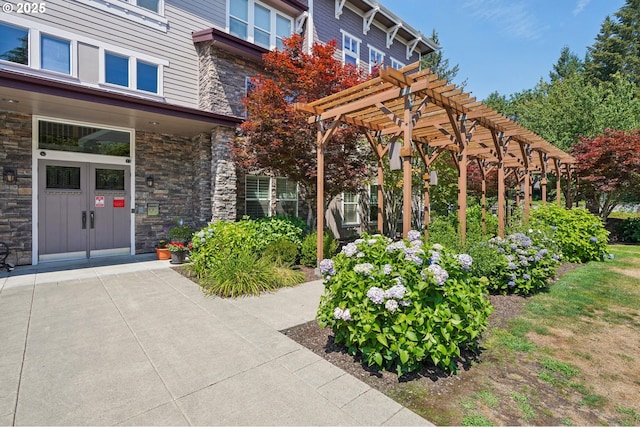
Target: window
376, 59
350, 49
152, 5
63, 177
110, 179
83, 139
286, 197
116, 69
373, 203
239, 18
147, 77
258, 23
258, 196
396, 64
283, 29
55, 54
14, 44
350, 208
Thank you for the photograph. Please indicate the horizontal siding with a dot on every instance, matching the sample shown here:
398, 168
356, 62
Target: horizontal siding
176, 46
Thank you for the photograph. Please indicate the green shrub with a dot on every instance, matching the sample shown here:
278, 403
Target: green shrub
282, 251
580, 235
521, 264
309, 252
631, 230
400, 306
443, 230
274, 228
243, 273
180, 233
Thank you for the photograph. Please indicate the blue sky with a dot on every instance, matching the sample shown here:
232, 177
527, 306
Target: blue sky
506, 45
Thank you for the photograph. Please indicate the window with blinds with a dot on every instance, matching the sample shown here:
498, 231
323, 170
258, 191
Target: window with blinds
286, 197
258, 196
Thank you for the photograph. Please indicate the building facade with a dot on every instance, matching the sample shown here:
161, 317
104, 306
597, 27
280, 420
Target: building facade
116, 115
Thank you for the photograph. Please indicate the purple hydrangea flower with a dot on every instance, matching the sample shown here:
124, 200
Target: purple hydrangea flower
391, 305
594, 240
526, 276
465, 261
512, 266
405, 302
327, 267
413, 254
376, 295
387, 269
611, 256
396, 292
439, 273
437, 247
395, 246
435, 257
350, 249
339, 313
365, 268
413, 235
511, 283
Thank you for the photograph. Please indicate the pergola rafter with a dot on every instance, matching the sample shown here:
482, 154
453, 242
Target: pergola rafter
432, 116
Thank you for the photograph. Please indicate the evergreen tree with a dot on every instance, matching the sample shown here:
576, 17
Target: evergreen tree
569, 63
439, 65
617, 46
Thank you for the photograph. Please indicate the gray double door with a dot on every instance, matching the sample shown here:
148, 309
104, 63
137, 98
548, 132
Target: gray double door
83, 210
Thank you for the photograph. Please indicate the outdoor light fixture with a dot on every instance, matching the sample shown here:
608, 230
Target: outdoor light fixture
150, 181
9, 175
10, 100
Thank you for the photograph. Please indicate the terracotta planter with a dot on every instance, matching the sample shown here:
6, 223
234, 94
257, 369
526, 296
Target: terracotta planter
163, 253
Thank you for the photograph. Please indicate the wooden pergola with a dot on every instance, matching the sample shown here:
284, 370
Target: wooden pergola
432, 117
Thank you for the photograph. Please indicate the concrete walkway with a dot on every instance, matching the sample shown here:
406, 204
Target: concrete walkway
135, 343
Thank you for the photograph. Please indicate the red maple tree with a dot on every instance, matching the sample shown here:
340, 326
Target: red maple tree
609, 169
279, 140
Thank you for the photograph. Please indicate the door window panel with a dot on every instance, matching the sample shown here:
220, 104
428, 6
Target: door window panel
82, 139
110, 179
63, 177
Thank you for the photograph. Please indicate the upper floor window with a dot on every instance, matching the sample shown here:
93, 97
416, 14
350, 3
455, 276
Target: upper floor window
117, 72
376, 58
258, 23
152, 5
55, 54
396, 64
350, 49
14, 44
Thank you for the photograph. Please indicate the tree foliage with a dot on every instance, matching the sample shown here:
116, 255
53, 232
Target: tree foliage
609, 169
278, 139
617, 46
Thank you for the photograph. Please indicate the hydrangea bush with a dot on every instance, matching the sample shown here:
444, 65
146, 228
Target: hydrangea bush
580, 235
524, 263
401, 304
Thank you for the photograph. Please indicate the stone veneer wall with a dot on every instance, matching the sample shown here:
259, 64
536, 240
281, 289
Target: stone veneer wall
180, 167
15, 199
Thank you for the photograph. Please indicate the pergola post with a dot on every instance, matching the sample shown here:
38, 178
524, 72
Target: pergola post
569, 198
406, 153
501, 199
427, 201
483, 200
462, 195
526, 184
320, 197
556, 164
380, 197
543, 185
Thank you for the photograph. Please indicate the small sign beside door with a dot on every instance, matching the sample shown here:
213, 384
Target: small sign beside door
118, 202
99, 201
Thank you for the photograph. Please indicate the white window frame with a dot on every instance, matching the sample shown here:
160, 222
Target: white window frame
72, 53
36, 28
246, 195
377, 52
273, 12
358, 42
295, 199
357, 210
395, 64
129, 10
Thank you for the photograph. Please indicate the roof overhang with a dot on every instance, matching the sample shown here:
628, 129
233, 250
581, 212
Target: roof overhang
229, 43
29, 94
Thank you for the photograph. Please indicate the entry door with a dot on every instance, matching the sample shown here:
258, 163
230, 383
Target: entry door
83, 210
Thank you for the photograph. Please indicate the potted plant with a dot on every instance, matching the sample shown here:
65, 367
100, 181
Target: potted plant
178, 252
162, 251
180, 233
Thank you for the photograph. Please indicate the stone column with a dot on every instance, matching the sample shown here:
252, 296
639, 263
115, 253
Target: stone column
223, 175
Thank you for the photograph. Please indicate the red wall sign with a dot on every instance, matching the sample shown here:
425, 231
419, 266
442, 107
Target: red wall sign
118, 202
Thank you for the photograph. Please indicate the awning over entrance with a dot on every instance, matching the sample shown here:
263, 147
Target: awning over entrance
30, 94
431, 117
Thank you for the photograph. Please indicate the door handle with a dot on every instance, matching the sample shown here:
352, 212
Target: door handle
84, 220
92, 219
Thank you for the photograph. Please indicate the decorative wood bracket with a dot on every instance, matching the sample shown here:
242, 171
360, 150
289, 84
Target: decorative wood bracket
339, 6
411, 47
391, 34
368, 18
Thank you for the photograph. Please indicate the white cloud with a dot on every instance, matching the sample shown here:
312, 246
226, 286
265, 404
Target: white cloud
580, 6
513, 18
